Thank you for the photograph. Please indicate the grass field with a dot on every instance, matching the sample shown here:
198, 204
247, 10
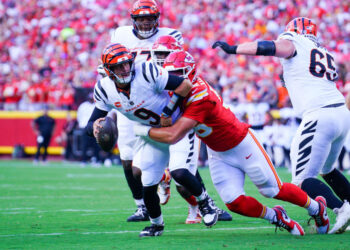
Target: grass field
63, 206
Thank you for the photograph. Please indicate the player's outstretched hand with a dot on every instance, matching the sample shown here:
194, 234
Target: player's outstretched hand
141, 130
225, 47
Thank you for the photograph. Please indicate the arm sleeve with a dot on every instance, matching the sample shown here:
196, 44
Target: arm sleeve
97, 113
173, 82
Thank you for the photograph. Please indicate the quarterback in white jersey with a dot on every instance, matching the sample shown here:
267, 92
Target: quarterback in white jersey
141, 92
309, 73
139, 38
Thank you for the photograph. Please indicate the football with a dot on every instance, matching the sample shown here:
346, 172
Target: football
108, 135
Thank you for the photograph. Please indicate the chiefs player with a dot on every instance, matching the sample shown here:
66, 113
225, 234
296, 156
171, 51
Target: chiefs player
309, 73
233, 152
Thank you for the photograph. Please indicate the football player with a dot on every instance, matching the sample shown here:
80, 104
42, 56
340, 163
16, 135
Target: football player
309, 72
140, 91
233, 152
139, 38
161, 48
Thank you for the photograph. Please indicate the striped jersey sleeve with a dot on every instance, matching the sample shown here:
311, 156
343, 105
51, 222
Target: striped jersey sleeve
178, 36
154, 75
100, 97
288, 36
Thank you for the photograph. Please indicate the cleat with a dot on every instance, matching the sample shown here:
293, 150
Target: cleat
193, 215
164, 188
209, 214
342, 220
141, 214
153, 230
222, 214
283, 221
321, 219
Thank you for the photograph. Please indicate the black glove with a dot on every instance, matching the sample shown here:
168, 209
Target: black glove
225, 47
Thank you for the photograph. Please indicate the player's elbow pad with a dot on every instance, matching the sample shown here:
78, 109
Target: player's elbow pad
266, 48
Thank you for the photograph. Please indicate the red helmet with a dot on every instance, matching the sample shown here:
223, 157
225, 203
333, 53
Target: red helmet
145, 8
182, 63
302, 26
116, 54
162, 47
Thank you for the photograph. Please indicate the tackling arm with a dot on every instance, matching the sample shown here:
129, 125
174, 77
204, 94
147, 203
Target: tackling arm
280, 48
170, 135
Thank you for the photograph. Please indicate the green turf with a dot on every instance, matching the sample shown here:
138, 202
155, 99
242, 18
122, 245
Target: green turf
63, 206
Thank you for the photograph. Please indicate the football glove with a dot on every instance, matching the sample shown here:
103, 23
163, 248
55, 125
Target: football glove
141, 130
101, 70
225, 47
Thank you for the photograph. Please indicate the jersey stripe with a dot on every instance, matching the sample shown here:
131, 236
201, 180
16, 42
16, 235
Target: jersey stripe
279, 183
157, 71
144, 72
97, 95
99, 87
172, 33
197, 97
151, 69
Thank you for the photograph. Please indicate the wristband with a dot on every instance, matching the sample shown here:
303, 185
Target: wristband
141, 130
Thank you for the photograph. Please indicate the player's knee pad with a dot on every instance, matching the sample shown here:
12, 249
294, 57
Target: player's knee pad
270, 191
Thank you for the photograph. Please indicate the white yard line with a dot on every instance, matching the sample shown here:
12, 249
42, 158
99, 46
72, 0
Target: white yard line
127, 232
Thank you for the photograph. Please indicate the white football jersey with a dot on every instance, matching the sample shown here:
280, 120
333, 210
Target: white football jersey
146, 98
256, 113
309, 75
141, 47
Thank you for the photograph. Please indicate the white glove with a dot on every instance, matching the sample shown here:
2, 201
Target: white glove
101, 70
141, 130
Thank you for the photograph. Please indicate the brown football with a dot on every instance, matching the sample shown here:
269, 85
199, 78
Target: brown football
108, 135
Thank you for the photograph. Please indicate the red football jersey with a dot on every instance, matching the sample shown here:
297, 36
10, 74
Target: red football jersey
219, 128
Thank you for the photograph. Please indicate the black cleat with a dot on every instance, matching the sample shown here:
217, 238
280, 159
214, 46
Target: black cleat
141, 214
209, 214
153, 230
222, 214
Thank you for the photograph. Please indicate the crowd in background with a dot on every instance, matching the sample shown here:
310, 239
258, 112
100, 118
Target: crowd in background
51, 48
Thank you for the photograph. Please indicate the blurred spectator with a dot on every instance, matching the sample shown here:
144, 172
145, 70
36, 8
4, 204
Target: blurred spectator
83, 114
66, 137
50, 48
43, 127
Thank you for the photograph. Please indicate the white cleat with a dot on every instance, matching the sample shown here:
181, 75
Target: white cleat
164, 188
193, 215
342, 220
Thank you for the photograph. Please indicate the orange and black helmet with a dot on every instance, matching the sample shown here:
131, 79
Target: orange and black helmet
302, 26
145, 8
115, 54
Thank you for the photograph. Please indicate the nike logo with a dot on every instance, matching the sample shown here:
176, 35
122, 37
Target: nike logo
247, 157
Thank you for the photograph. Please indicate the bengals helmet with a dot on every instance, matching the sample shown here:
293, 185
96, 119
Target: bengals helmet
115, 55
302, 26
181, 63
145, 8
162, 47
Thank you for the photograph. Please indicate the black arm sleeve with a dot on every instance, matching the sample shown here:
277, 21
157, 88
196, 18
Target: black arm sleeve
173, 82
97, 113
